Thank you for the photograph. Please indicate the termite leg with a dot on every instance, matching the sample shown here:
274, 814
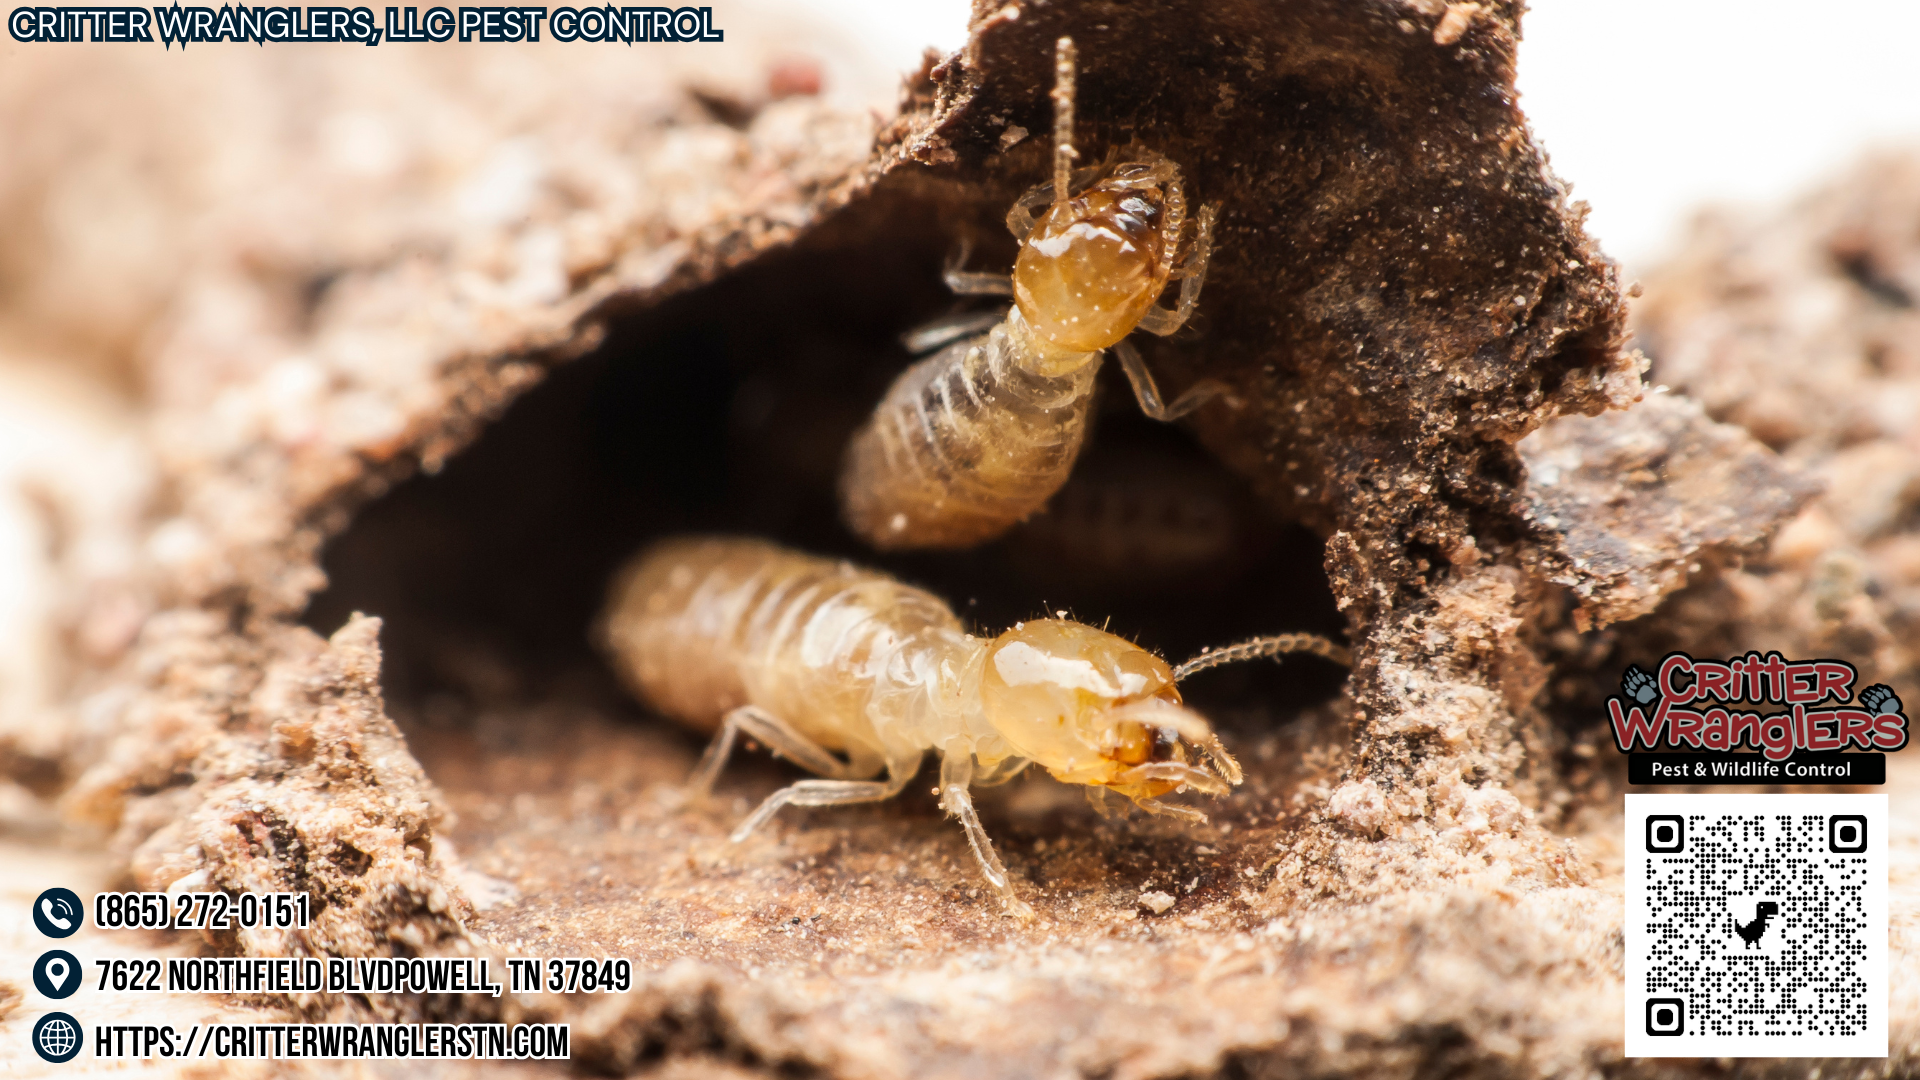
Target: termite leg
965, 282
1175, 197
1020, 217
1194, 265
956, 774
779, 736
1001, 773
1147, 393
1223, 762
949, 328
822, 793
1180, 773
1105, 804
1160, 321
1155, 806
1157, 172
979, 283
1192, 274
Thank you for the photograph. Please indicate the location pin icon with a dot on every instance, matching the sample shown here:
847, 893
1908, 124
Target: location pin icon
57, 974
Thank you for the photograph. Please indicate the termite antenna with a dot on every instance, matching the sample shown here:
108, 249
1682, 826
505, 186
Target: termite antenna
1277, 645
1063, 152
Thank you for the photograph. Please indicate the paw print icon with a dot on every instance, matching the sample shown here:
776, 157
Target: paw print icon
1880, 700
1666, 1016
1639, 686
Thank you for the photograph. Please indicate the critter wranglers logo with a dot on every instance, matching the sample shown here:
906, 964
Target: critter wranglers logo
1721, 705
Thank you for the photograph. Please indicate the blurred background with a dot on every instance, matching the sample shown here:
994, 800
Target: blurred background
1649, 107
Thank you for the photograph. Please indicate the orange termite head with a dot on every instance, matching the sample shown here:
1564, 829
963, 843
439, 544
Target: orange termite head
1099, 257
1096, 260
1096, 709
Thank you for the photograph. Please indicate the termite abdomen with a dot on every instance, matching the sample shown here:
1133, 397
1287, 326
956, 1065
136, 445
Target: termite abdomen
965, 444
1143, 520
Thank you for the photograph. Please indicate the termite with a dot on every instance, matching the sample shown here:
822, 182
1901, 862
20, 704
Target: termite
1139, 520
974, 439
854, 676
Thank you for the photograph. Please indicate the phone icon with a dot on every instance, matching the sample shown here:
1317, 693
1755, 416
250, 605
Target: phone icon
57, 913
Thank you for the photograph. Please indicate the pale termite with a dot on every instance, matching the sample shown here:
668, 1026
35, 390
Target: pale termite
974, 439
855, 676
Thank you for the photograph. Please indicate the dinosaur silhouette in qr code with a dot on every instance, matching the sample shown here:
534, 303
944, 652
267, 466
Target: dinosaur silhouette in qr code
1751, 932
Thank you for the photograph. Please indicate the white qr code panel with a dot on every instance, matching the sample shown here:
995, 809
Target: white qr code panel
1756, 925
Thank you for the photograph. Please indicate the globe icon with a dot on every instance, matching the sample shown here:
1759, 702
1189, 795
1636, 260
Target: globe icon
57, 1038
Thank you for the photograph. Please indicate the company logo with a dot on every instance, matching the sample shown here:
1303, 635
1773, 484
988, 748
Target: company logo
1692, 703
57, 1037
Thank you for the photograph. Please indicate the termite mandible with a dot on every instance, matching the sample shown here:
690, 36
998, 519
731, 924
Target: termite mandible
815, 657
976, 438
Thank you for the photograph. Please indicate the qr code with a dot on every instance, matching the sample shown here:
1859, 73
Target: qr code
1756, 925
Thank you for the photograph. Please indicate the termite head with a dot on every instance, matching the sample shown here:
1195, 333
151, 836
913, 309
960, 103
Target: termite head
1097, 260
1099, 257
1096, 709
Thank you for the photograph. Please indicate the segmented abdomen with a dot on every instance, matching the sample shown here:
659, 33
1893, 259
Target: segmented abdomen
701, 625
1139, 521
965, 445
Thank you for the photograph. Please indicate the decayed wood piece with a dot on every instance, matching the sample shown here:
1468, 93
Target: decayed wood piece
1398, 293
1634, 500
